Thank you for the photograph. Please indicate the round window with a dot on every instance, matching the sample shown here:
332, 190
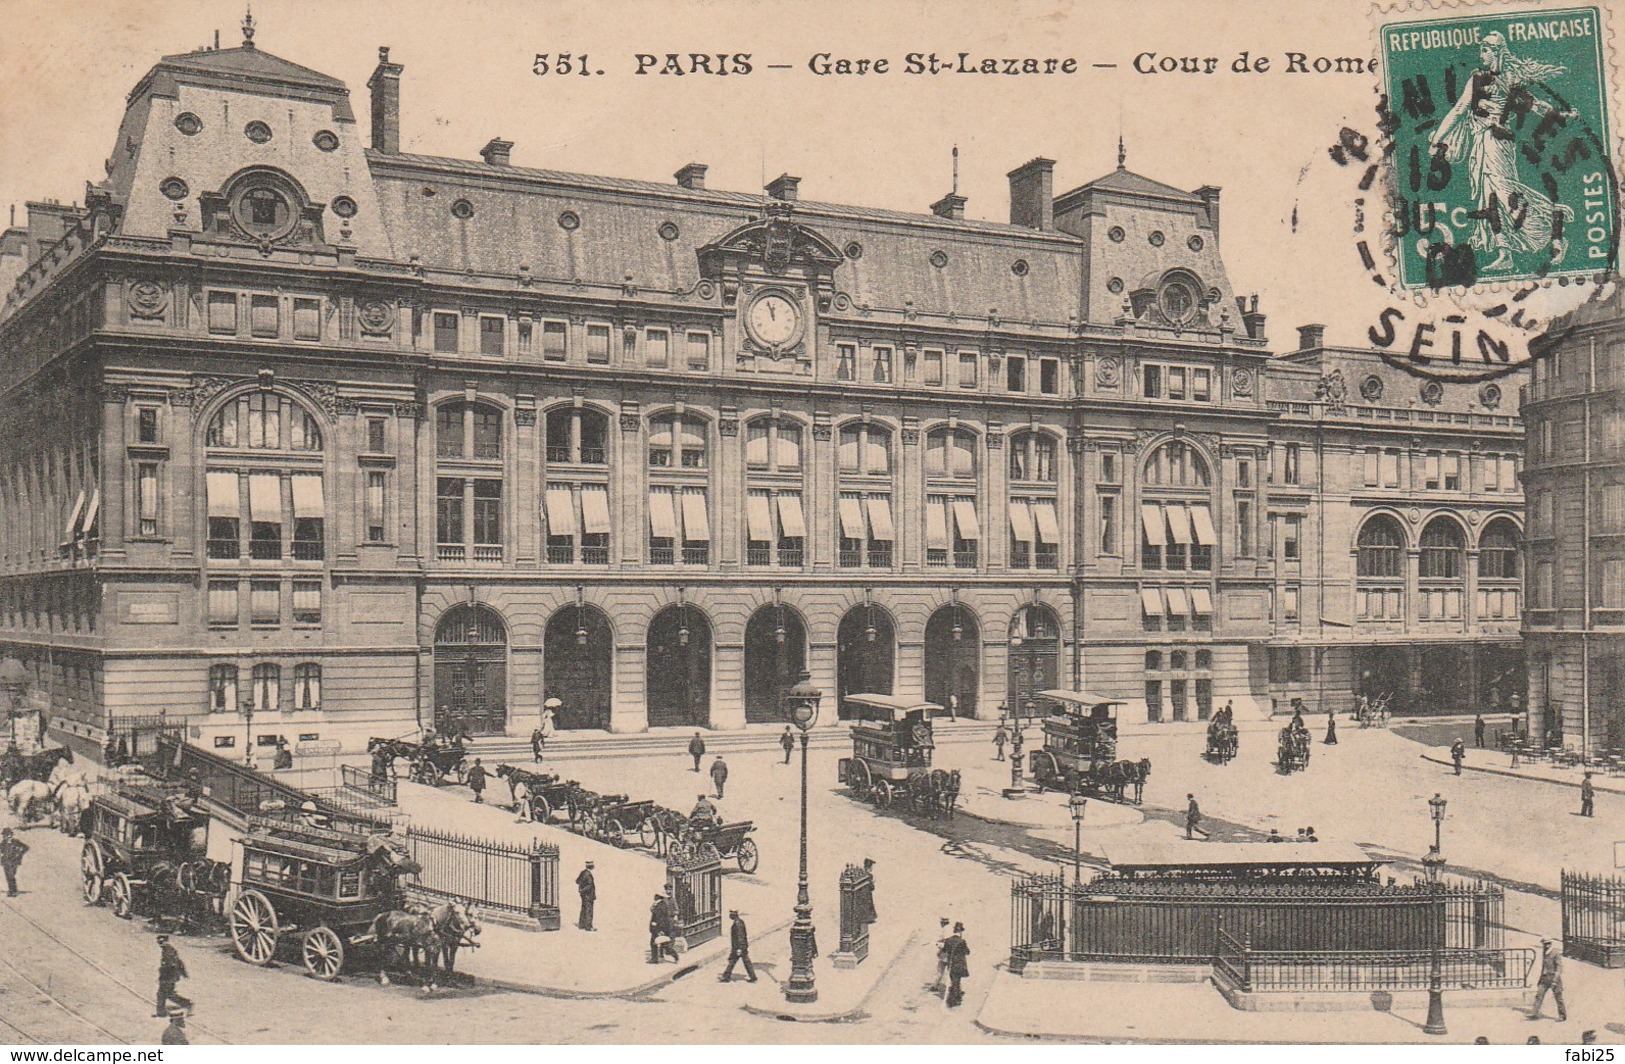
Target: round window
344, 206
1115, 286
462, 209
939, 259
263, 212
174, 188
1177, 301
1116, 234
1194, 243
569, 220
854, 250
189, 123
1019, 267
326, 140
257, 131
668, 231
1157, 238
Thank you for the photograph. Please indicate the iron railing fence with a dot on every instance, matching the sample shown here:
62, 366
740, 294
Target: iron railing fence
380, 789
517, 879
1594, 918
1348, 971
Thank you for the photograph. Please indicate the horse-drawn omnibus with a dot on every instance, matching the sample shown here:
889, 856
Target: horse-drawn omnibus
145, 853
1079, 754
892, 745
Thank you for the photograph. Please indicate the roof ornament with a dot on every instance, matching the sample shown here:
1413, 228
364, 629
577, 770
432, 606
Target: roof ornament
248, 28
1122, 155
956, 170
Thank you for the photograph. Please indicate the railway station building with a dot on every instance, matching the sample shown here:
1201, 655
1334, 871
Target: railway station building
344, 441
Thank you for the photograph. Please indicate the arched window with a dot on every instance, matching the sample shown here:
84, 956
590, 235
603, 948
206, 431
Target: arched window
1442, 550
865, 449
677, 441
468, 430
267, 687
1177, 464
1498, 551
264, 421
223, 688
950, 453
1032, 457
577, 435
773, 444
1381, 549
952, 531
307, 686
864, 525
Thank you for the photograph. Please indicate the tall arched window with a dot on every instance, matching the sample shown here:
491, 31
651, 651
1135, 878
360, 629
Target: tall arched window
1035, 532
952, 532
223, 688
266, 421
1177, 464
1176, 518
577, 436
1498, 551
677, 442
679, 509
775, 525
267, 687
1443, 550
865, 529
283, 510
1381, 549
1032, 457
468, 431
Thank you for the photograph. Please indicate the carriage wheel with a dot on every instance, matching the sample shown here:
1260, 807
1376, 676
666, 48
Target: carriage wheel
540, 808
883, 793
859, 778
254, 928
748, 856
90, 867
121, 895
647, 834
323, 953
1045, 769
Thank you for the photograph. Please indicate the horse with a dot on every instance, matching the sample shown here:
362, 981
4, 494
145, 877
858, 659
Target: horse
29, 798
385, 752
426, 933
72, 800
1118, 776
945, 790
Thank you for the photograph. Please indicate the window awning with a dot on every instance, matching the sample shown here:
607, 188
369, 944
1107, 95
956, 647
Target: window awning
1156, 533
72, 528
696, 522
1202, 526
965, 518
1151, 601
1179, 603
595, 511
561, 512
1201, 602
791, 522
265, 497
851, 517
880, 523
307, 495
759, 518
1179, 523
90, 513
1049, 529
1021, 521
222, 495
936, 526
662, 515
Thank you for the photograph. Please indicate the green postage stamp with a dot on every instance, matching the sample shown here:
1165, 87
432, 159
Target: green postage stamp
1502, 163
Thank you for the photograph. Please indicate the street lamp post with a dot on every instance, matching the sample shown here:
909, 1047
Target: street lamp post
248, 731
1434, 864
801, 706
1076, 804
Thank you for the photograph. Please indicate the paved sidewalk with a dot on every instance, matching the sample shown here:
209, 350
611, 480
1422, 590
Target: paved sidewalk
1498, 763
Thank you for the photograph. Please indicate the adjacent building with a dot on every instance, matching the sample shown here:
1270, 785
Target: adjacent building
344, 441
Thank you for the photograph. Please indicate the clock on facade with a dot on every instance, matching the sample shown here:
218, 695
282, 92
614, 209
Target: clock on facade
774, 320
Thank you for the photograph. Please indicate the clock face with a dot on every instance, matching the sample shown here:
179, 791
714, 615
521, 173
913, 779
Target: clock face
774, 319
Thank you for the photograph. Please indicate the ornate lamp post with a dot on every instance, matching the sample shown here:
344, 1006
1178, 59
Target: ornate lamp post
248, 729
1434, 864
801, 707
1076, 805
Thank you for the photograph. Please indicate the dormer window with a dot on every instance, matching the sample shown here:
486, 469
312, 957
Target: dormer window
1178, 301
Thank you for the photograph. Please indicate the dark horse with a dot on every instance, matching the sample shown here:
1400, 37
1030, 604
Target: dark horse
1117, 776
15, 766
426, 936
385, 751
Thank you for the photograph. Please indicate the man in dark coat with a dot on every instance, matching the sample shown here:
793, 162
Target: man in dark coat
957, 953
587, 887
536, 741
696, 750
1000, 737
719, 774
662, 930
787, 741
1550, 981
476, 781
171, 970
1478, 730
1588, 796
1458, 752
284, 756
1193, 818
12, 850
738, 950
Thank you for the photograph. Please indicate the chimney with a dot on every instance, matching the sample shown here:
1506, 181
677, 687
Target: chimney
1032, 194
783, 187
1311, 336
692, 176
1210, 196
385, 85
1251, 320
950, 206
496, 151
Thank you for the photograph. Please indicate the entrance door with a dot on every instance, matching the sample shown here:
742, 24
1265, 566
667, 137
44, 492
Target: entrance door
678, 664
953, 647
865, 655
775, 654
578, 651
471, 671
1035, 654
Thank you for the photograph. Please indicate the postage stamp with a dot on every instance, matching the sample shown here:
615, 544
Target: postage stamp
1497, 129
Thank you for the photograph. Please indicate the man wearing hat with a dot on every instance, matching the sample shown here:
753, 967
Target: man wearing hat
958, 968
1551, 978
587, 887
12, 850
1588, 796
738, 949
476, 781
705, 813
175, 1033
662, 930
696, 750
171, 969
719, 774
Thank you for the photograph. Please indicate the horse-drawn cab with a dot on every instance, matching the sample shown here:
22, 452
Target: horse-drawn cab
145, 851
892, 744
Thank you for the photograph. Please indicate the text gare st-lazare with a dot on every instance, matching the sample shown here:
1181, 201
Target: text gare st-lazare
824, 64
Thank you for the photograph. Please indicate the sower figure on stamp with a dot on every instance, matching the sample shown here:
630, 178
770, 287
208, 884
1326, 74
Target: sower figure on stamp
738, 949
587, 887
12, 850
171, 970
1551, 978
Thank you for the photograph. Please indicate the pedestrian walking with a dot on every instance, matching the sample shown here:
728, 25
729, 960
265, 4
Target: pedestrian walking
587, 888
1458, 752
175, 1033
958, 968
284, 756
521, 800
171, 970
1193, 818
940, 984
536, 741
12, 850
1551, 979
696, 750
476, 781
1000, 737
662, 930
719, 774
738, 950
1331, 727
787, 741
1478, 730
953, 707
1588, 796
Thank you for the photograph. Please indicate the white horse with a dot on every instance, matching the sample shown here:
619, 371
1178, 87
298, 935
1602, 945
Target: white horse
72, 799
28, 798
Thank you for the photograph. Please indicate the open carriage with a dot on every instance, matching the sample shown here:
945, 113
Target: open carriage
1292, 753
892, 745
145, 854
431, 763
1079, 754
546, 793
1223, 740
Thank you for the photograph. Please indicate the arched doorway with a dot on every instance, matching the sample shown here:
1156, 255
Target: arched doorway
1035, 655
1445, 676
953, 658
775, 654
578, 664
865, 654
678, 668
471, 671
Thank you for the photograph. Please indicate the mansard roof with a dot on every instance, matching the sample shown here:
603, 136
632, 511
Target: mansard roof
1133, 184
